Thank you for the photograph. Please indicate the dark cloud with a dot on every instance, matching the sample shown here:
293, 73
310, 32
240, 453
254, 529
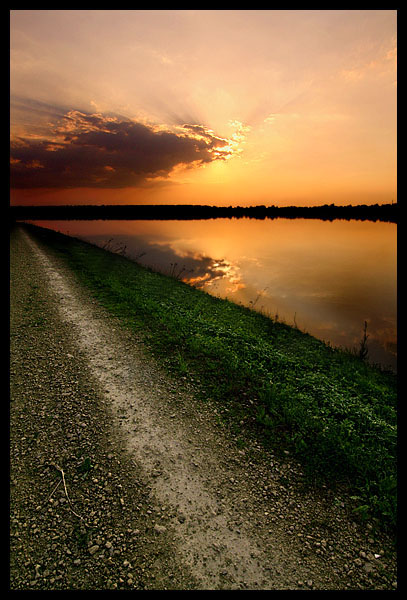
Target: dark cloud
94, 150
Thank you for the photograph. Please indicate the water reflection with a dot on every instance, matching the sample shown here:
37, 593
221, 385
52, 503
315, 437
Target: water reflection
327, 278
194, 268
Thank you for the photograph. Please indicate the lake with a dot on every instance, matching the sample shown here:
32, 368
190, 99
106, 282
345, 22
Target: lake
325, 277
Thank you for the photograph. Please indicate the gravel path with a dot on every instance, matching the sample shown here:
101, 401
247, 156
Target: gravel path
120, 478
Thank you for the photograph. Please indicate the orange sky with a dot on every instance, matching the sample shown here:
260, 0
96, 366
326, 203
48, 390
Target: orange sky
209, 107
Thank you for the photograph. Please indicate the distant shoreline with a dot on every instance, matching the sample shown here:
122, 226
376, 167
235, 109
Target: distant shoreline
375, 212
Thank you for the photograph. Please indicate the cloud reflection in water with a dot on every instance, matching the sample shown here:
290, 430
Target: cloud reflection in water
328, 278
194, 268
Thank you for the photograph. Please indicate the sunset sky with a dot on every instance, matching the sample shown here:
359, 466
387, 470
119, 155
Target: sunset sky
234, 107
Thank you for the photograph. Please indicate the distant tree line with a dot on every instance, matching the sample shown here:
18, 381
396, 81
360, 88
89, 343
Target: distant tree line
374, 212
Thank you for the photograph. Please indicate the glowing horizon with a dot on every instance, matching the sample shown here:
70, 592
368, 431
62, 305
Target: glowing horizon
229, 107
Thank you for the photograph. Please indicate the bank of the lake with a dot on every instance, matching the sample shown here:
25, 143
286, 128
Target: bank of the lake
329, 408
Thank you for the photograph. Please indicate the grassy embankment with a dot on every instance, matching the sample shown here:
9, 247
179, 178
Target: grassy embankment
334, 412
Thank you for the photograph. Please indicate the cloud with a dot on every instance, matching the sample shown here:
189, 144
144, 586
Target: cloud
97, 150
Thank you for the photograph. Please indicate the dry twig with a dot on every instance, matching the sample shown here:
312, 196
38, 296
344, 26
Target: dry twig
66, 492
54, 490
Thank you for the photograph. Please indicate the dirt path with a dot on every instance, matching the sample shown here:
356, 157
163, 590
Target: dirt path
155, 493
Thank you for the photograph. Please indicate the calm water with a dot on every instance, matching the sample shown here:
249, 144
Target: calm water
328, 278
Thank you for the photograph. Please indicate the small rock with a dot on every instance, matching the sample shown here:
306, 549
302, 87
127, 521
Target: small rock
159, 528
93, 549
368, 567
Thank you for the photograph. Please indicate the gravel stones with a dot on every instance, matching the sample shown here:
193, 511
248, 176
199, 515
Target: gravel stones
57, 416
110, 523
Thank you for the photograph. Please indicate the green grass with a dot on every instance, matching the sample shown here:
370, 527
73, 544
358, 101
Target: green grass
333, 411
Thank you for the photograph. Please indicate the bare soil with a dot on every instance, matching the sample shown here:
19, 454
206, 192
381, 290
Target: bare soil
121, 478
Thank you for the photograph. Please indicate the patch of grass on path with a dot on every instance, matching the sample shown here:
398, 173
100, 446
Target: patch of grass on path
333, 411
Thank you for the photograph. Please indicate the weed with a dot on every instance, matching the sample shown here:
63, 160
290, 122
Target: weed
252, 303
363, 349
118, 247
182, 364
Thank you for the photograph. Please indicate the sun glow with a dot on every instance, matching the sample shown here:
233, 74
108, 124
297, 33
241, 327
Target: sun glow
290, 116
